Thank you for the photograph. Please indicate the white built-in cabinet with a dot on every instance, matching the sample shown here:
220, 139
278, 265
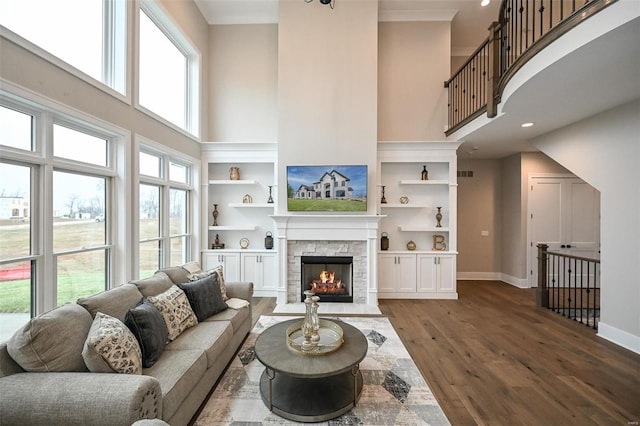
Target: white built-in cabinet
245, 212
409, 215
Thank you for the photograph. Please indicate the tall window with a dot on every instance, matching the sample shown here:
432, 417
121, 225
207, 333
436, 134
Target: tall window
55, 212
168, 66
88, 35
165, 194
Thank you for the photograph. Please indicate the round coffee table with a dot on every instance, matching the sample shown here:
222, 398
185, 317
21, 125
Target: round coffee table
310, 388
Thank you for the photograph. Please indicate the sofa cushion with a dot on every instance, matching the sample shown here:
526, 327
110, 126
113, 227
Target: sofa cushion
154, 285
204, 296
111, 347
115, 302
178, 373
211, 337
177, 274
176, 311
52, 341
147, 325
236, 316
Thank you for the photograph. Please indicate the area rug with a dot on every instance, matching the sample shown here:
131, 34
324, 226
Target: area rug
394, 391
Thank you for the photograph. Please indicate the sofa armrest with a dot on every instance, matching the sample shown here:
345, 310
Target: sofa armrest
78, 398
240, 290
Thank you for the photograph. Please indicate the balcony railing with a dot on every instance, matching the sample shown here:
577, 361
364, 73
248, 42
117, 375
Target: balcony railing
524, 28
569, 285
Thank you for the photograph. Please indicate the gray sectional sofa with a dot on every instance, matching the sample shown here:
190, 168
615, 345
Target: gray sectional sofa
172, 389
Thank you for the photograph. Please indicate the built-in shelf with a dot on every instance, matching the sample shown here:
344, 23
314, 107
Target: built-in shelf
233, 228
233, 182
403, 206
423, 182
422, 229
252, 205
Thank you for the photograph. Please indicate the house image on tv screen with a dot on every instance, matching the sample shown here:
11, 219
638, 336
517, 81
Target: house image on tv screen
332, 185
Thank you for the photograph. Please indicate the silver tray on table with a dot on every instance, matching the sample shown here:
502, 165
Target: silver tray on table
331, 338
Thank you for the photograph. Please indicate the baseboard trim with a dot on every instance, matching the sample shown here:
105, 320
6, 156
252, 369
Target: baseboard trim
619, 337
493, 276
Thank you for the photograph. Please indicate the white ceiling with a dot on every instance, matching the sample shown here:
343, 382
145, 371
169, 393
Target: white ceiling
469, 26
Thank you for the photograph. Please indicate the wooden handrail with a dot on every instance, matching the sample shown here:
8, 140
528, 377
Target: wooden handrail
524, 28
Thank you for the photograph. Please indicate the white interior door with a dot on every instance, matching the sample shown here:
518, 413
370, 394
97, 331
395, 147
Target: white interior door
564, 213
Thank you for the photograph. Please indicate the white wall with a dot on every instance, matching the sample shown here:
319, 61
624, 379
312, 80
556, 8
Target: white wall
414, 63
604, 150
327, 86
243, 83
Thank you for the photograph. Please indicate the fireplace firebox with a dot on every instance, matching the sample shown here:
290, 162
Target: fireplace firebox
330, 277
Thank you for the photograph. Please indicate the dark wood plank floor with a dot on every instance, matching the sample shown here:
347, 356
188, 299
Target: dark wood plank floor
493, 358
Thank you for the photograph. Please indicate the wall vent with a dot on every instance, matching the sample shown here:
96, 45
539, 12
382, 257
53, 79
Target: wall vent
465, 173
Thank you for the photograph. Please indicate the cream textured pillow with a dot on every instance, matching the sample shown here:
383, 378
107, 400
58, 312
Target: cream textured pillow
111, 347
175, 309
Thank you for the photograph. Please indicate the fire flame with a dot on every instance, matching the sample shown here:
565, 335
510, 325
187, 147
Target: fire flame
327, 277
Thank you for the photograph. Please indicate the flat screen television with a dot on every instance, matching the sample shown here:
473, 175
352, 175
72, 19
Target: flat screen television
327, 188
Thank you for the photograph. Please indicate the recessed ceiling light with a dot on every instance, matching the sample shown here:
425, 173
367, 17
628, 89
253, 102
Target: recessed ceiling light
485, 2
526, 125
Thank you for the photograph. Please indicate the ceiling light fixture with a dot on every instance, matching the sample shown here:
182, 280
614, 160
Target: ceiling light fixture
485, 2
526, 125
331, 3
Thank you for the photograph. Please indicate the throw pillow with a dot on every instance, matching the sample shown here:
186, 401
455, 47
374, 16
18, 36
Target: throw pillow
223, 288
147, 325
204, 296
52, 341
192, 267
176, 311
217, 271
154, 285
111, 348
115, 302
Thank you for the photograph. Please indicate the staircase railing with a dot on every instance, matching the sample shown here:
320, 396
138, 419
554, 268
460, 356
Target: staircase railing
569, 285
524, 28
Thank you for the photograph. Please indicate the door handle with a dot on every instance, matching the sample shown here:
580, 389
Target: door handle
568, 245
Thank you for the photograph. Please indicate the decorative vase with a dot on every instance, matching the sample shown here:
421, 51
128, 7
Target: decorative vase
383, 200
234, 173
425, 173
215, 215
270, 200
307, 325
315, 321
438, 218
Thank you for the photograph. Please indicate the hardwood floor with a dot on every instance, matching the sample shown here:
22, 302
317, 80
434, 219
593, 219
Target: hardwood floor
493, 358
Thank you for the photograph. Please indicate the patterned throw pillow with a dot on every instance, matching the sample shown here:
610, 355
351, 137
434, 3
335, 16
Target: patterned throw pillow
111, 348
176, 311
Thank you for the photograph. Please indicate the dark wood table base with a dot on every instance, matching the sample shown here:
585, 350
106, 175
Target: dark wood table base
310, 400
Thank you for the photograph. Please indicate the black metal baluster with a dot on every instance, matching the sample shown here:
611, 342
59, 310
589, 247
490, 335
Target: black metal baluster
581, 289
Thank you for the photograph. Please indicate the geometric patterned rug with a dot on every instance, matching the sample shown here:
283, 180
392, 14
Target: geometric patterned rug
394, 391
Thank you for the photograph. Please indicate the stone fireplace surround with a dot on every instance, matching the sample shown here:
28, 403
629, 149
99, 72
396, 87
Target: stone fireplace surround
328, 235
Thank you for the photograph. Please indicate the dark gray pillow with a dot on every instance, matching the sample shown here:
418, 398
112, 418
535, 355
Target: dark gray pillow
204, 296
147, 325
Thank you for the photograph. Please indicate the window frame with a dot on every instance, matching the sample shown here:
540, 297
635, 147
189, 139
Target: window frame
45, 113
110, 23
167, 156
193, 104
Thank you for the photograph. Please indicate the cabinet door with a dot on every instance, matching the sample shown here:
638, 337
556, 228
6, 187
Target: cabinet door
230, 264
427, 266
387, 273
251, 270
268, 262
406, 273
446, 274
